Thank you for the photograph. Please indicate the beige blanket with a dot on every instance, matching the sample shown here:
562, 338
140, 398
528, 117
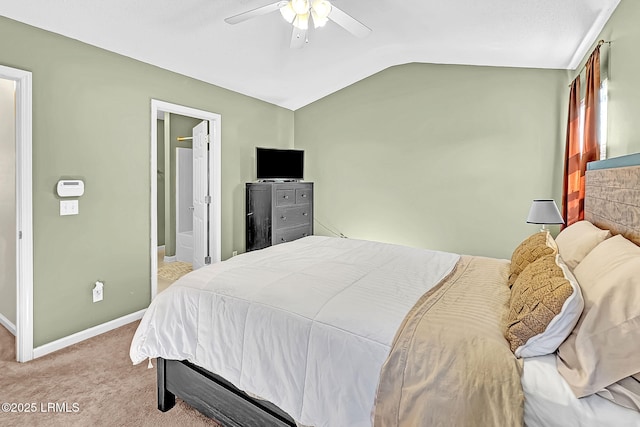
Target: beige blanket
450, 364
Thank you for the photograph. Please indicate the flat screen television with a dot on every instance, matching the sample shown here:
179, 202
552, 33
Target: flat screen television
274, 164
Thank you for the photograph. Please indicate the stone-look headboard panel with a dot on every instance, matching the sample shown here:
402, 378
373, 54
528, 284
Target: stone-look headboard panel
612, 200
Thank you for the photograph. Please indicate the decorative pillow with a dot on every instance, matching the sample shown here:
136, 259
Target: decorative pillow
603, 347
544, 307
532, 248
577, 240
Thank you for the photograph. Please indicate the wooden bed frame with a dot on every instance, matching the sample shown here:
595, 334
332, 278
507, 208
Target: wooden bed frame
612, 202
214, 396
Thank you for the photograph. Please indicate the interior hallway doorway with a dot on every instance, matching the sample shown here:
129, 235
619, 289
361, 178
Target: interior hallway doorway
16, 214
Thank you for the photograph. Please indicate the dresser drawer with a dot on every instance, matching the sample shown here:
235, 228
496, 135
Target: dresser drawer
278, 212
285, 197
292, 216
303, 196
291, 234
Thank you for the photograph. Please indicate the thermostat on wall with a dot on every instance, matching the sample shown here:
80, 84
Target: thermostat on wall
70, 188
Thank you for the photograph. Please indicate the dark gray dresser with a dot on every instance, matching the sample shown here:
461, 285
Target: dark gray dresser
277, 212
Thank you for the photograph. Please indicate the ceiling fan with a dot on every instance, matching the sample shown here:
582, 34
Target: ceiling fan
300, 12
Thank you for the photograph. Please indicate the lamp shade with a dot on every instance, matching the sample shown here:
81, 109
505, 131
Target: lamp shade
544, 211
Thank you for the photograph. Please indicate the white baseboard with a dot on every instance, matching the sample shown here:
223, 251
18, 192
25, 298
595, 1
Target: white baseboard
161, 248
8, 324
86, 334
170, 258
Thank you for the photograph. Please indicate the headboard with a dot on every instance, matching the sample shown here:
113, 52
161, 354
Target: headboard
612, 195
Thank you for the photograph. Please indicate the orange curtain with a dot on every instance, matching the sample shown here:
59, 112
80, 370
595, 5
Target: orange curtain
571, 189
578, 153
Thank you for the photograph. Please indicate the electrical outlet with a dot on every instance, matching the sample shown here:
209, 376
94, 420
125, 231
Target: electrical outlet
98, 291
234, 253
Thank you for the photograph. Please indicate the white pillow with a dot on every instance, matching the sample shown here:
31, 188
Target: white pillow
577, 240
603, 347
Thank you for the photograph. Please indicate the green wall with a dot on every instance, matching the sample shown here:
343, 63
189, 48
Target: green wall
624, 85
436, 156
449, 157
91, 120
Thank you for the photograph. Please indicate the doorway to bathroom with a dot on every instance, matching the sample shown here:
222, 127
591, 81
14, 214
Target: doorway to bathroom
185, 194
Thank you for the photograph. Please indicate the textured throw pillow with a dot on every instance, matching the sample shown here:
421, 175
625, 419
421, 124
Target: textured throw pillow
603, 347
544, 307
577, 240
532, 248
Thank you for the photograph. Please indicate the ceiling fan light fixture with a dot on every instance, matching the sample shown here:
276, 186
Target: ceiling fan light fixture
322, 8
300, 7
302, 21
288, 13
318, 21
298, 13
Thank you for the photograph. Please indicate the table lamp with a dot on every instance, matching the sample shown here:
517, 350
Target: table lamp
544, 211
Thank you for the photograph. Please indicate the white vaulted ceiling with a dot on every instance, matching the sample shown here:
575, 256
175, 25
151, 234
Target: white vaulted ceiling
254, 58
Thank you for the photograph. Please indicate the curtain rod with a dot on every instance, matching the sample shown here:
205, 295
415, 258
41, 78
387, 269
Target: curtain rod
600, 43
184, 138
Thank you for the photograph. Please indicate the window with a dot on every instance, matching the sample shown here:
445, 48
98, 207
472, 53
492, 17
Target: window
602, 119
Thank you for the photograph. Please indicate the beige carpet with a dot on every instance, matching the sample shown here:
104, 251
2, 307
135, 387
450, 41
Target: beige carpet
174, 270
94, 380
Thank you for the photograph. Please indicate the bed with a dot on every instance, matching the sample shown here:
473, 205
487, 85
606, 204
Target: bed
335, 332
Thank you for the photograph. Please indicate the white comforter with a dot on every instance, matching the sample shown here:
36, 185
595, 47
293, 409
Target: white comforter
306, 325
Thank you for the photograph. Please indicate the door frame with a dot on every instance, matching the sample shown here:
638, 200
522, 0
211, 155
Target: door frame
215, 163
24, 211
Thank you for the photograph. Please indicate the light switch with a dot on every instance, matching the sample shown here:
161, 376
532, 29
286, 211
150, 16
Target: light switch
68, 207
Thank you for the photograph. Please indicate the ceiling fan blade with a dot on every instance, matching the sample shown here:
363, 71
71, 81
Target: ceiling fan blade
348, 22
263, 10
298, 38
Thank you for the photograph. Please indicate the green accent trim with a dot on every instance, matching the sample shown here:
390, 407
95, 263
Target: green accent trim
616, 162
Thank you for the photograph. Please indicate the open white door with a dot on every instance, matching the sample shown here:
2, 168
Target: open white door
201, 198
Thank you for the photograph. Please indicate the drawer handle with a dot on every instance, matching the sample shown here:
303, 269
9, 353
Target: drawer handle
304, 214
304, 195
284, 218
286, 196
282, 239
